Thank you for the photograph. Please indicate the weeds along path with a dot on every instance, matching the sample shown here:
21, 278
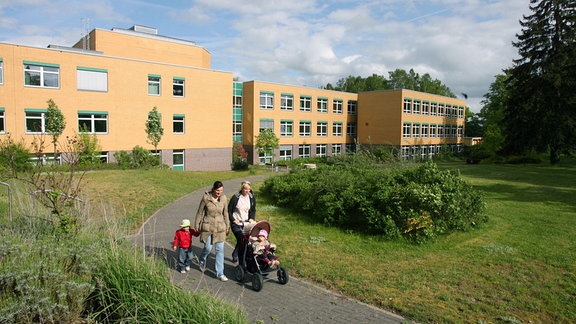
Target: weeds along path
295, 302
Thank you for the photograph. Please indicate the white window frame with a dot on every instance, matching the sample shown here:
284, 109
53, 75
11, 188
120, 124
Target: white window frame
286, 128
432, 130
178, 119
2, 121
336, 149
305, 103
285, 152
322, 128
266, 100
154, 85
424, 130
415, 130
337, 106
406, 130
304, 150
93, 119
45, 73
425, 108
1, 71
305, 128
351, 129
352, 107
32, 115
337, 129
322, 105
178, 87
321, 150
433, 109
175, 155
286, 101
407, 107
266, 124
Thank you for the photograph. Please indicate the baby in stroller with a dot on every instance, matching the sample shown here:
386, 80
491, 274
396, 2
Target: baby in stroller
264, 250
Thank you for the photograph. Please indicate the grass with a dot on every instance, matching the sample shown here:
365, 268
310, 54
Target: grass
519, 267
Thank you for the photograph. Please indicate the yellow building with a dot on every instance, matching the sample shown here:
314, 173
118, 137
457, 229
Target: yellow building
308, 121
109, 82
418, 124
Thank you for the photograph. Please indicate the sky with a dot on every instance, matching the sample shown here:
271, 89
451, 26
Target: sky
462, 43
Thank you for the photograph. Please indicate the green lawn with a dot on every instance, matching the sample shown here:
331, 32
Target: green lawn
519, 267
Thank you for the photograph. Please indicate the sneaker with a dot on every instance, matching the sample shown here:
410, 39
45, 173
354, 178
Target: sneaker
187, 268
202, 266
183, 271
223, 278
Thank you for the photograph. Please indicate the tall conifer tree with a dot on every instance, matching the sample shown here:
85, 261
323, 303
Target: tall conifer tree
541, 107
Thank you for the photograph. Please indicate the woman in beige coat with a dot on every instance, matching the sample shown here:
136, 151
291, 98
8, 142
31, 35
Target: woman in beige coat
213, 224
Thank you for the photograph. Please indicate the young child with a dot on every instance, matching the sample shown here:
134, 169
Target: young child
183, 243
264, 250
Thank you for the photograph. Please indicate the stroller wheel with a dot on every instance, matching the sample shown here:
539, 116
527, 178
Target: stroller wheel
257, 282
239, 273
283, 276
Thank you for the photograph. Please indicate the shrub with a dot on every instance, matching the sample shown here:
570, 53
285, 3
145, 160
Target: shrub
14, 157
394, 200
137, 159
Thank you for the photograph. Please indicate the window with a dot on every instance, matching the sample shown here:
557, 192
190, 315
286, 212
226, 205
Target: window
153, 84
92, 122
237, 129
305, 128
41, 75
424, 130
433, 130
178, 160
304, 150
286, 127
178, 124
266, 123
321, 149
264, 157
336, 149
322, 128
352, 107
285, 152
35, 121
337, 106
1, 71
448, 110
91, 79
447, 132
454, 131
2, 122
460, 111
441, 109
407, 105
440, 130
460, 131
425, 108
286, 101
305, 103
103, 157
337, 129
266, 100
322, 105
417, 107
415, 130
178, 87
351, 129
406, 130
433, 108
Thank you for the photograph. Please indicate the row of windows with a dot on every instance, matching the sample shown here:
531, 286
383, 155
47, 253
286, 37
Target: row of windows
431, 130
427, 151
88, 122
305, 150
425, 107
47, 75
287, 103
305, 128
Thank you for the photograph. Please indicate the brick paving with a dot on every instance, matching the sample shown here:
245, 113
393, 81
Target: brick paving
296, 302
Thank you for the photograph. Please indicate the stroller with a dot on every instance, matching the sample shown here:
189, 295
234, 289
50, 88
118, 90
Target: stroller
249, 261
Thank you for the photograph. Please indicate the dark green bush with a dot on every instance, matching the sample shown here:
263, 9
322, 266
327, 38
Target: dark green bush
239, 165
394, 200
14, 157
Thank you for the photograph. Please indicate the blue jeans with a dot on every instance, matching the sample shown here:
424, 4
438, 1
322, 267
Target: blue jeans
184, 258
219, 264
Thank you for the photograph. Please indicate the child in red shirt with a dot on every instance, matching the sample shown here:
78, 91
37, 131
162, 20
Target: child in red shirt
183, 243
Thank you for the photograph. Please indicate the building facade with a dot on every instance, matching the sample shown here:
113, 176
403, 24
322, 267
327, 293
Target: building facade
108, 82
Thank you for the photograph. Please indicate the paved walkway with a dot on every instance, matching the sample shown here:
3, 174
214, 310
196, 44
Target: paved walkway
295, 302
